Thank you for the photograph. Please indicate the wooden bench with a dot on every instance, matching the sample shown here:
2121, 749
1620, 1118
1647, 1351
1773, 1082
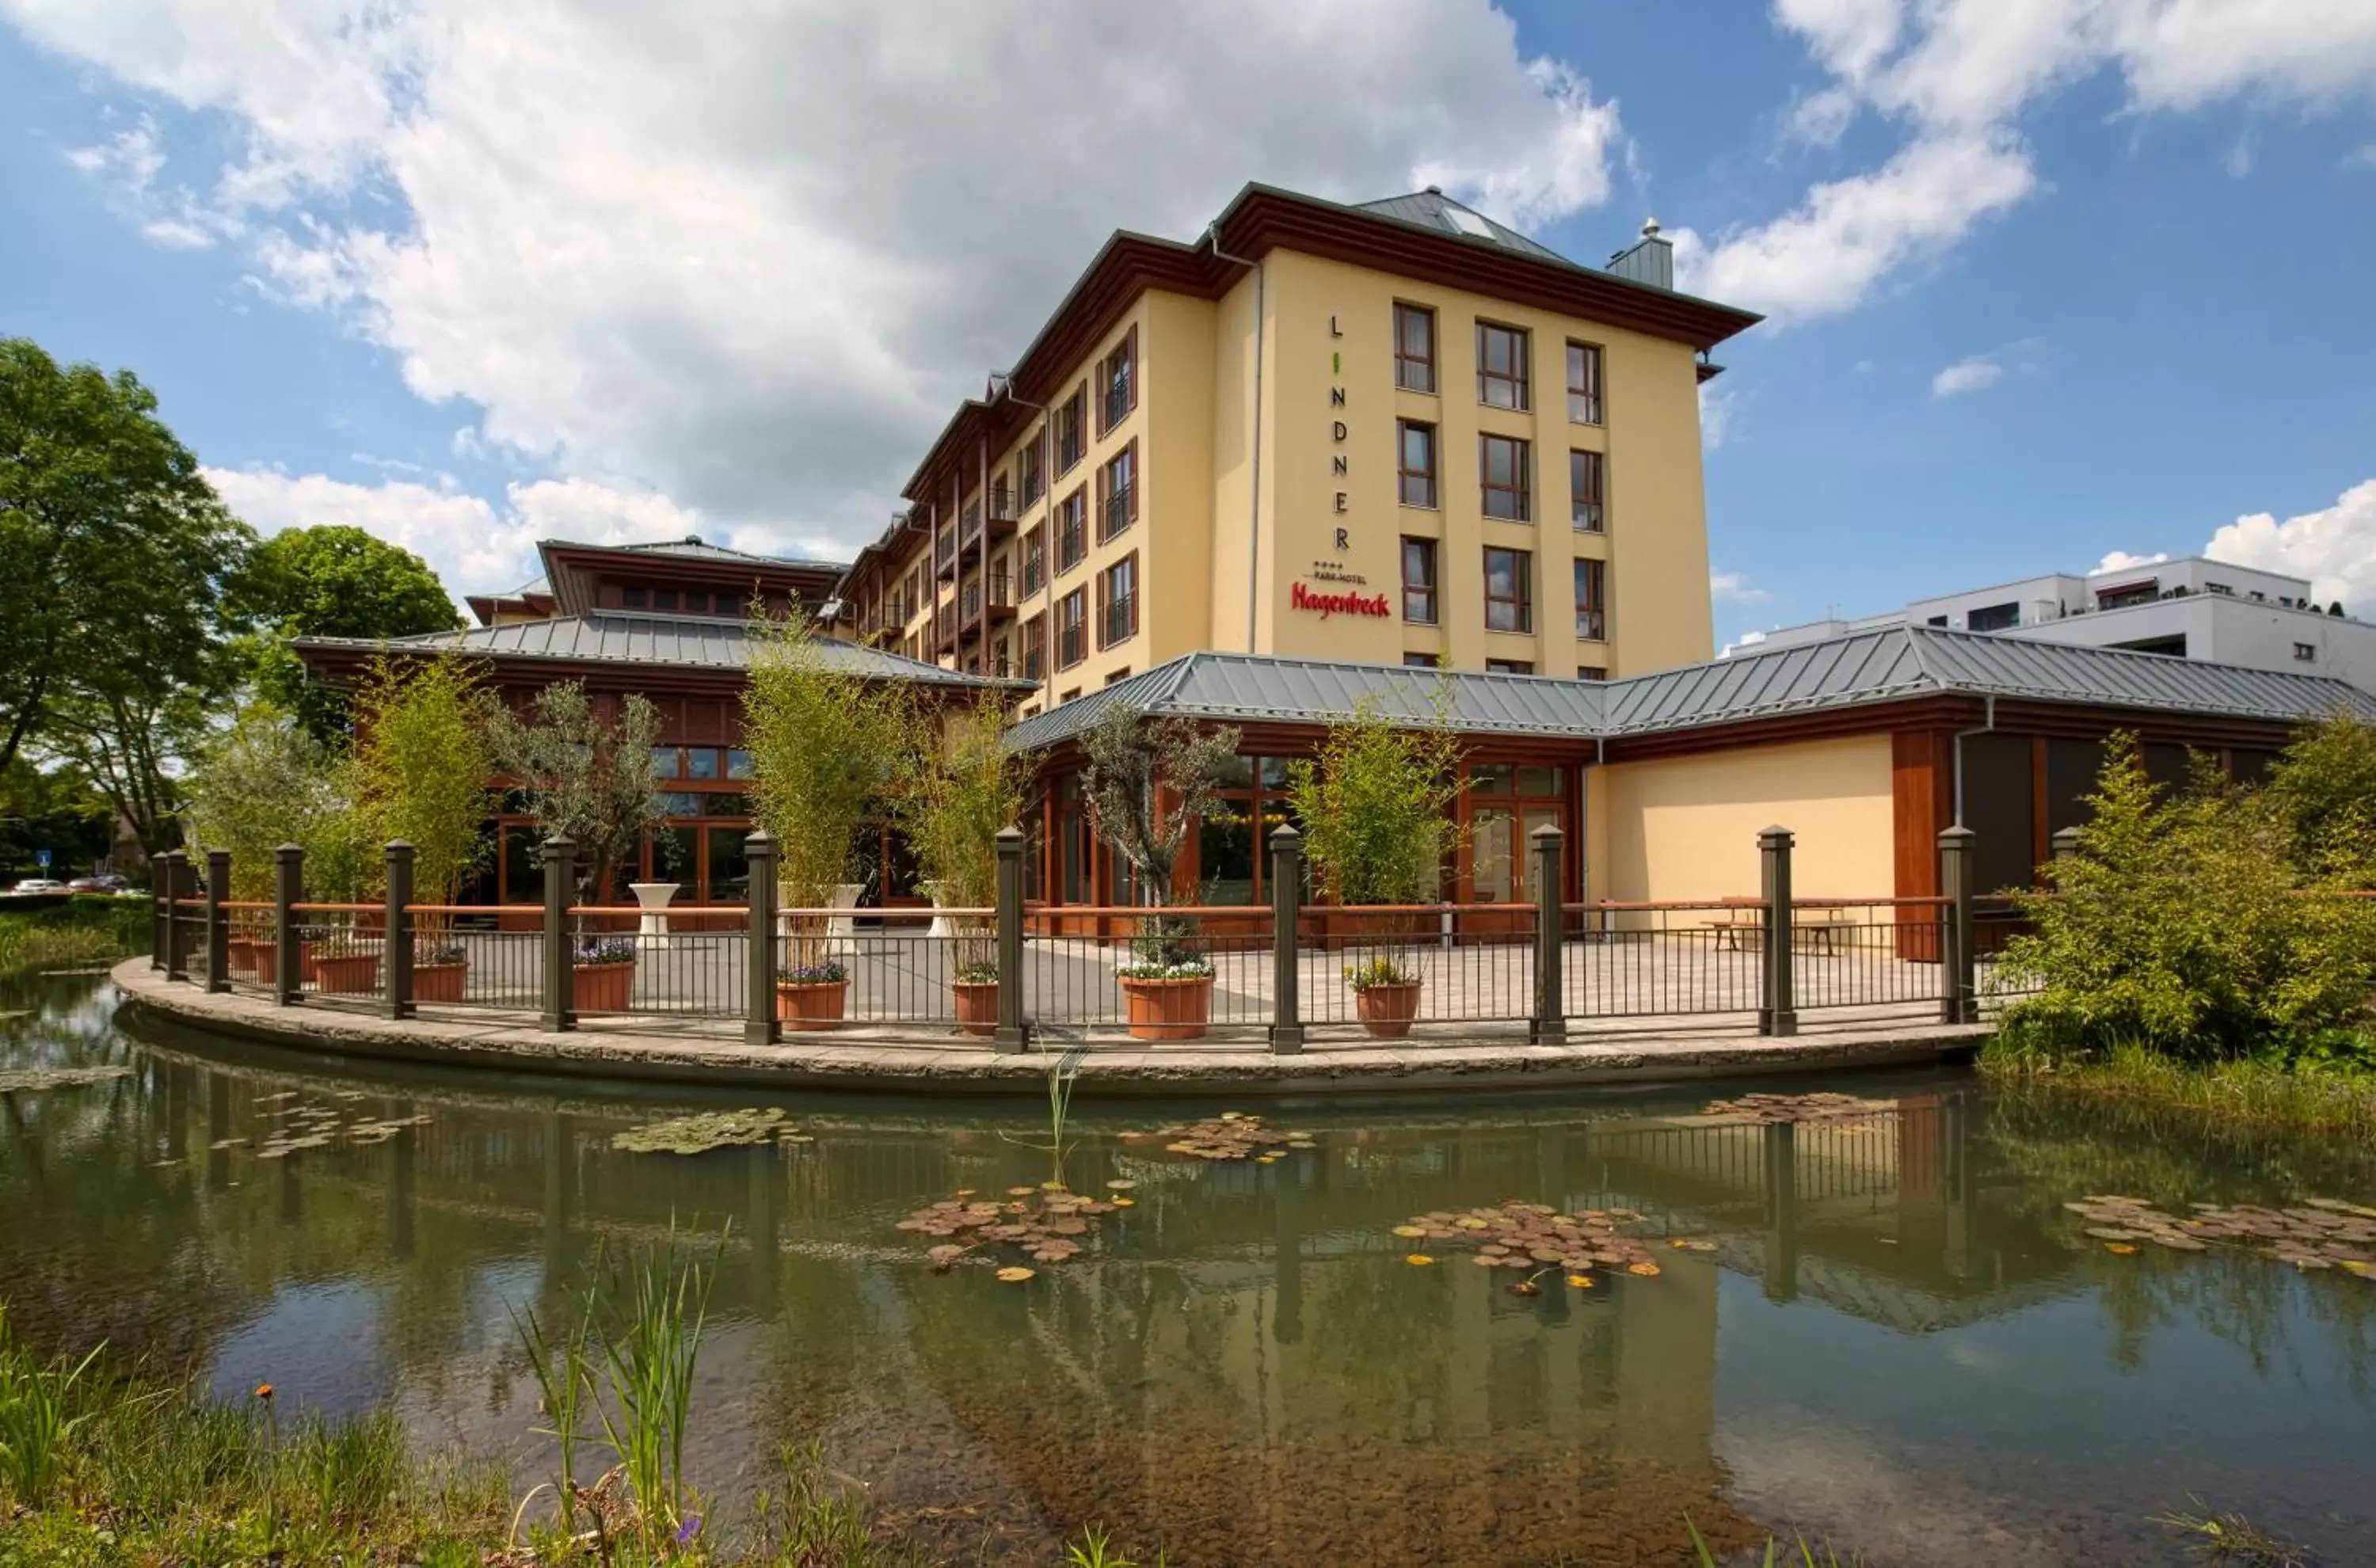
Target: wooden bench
1822, 930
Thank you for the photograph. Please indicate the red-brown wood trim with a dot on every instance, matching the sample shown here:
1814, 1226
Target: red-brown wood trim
1922, 794
2037, 801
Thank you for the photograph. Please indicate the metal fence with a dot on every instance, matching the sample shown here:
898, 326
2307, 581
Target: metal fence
1633, 960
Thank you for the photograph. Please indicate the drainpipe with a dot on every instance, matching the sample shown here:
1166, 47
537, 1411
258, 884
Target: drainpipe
1988, 723
1253, 497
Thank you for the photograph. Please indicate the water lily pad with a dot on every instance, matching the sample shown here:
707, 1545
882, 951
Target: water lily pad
1125, 1203
1646, 1270
2122, 1249
1581, 1281
29, 1080
1411, 1232
1015, 1273
703, 1131
1120, 1185
1418, 1259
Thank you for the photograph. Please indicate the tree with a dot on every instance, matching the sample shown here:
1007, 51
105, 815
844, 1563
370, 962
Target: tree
328, 581
1377, 806
420, 765
956, 801
262, 782
113, 551
2325, 783
587, 777
1147, 780
55, 809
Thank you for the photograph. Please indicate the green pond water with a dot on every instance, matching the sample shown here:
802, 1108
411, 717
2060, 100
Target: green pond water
1889, 1330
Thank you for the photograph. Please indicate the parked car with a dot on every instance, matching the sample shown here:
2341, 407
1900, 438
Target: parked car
106, 882
37, 885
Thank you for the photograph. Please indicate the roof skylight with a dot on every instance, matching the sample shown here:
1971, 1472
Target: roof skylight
1468, 222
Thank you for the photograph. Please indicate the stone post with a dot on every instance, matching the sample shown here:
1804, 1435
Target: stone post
1013, 1034
760, 1025
1958, 1000
1777, 1012
288, 890
218, 954
396, 950
1286, 915
1549, 1026
2066, 844
560, 979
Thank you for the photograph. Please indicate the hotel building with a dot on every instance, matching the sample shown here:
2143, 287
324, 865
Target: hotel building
1393, 433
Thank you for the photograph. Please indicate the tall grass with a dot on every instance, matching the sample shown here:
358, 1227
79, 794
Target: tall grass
38, 1414
80, 932
2254, 1093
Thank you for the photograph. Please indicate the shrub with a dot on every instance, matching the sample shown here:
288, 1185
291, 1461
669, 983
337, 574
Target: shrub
1377, 806
421, 765
1379, 971
588, 776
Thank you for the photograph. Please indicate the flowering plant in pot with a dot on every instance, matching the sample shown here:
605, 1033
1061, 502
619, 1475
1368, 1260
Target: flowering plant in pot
813, 996
975, 994
1148, 782
602, 975
1386, 995
440, 966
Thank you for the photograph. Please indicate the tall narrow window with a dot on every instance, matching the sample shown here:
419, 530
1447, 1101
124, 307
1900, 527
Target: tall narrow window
1035, 648
1031, 467
1118, 492
1035, 560
1414, 347
1072, 628
1592, 600
1583, 383
1072, 530
1072, 431
1509, 590
1418, 580
1501, 366
1118, 602
1118, 383
1417, 442
1588, 483
1502, 467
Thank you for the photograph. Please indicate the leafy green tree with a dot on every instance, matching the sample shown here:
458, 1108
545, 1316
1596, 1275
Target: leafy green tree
957, 799
55, 809
423, 754
2326, 785
1377, 805
328, 581
114, 550
1147, 780
587, 776
261, 782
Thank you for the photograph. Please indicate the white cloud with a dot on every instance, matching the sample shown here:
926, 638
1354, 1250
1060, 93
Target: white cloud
2363, 159
2121, 561
2335, 548
750, 255
1717, 408
1734, 587
1967, 375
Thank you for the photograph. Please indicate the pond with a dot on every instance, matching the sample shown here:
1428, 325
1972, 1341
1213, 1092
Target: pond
1883, 1325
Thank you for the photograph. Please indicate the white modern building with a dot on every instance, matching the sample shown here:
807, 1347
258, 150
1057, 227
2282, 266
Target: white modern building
2190, 608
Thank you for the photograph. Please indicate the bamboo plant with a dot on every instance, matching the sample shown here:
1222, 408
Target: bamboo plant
956, 801
421, 764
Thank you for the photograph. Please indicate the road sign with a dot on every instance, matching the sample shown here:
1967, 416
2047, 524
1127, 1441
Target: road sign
42, 858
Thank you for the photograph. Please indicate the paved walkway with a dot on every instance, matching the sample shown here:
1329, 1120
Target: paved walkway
923, 1058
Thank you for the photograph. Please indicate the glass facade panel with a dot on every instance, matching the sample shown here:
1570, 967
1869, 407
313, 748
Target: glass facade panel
1225, 853
701, 762
730, 865
1491, 874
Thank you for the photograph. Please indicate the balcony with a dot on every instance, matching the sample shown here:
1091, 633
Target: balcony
967, 614
962, 545
1119, 621
1114, 514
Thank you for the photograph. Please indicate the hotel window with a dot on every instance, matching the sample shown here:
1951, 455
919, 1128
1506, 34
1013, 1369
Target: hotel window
1417, 463
1072, 628
1118, 383
634, 597
1072, 530
1030, 465
1415, 348
1583, 384
664, 599
1118, 676
2306, 653
1418, 580
1509, 590
1421, 661
1035, 648
1072, 441
1502, 467
1118, 602
1118, 492
1592, 671
1035, 560
1592, 600
1509, 666
1588, 485
1501, 366
1994, 617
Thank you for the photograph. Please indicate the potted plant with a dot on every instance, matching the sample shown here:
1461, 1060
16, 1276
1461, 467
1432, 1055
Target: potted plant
827, 749
1379, 803
956, 799
261, 782
1386, 995
1147, 781
813, 996
423, 754
602, 975
345, 963
440, 969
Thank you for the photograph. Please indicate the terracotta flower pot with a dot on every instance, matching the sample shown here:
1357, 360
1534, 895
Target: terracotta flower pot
600, 988
346, 973
440, 982
811, 1006
268, 960
976, 1004
239, 956
1387, 1010
1169, 1009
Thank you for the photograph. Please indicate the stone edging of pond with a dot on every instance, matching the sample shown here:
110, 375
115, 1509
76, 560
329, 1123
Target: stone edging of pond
928, 1067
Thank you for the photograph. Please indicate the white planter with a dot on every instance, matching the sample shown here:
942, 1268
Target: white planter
653, 928
841, 931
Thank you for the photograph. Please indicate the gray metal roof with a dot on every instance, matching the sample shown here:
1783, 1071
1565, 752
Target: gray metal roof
1883, 665
1431, 209
685, 641
696, 548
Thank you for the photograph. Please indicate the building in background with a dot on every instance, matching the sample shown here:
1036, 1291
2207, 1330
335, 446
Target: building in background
2190, 608
1397, 433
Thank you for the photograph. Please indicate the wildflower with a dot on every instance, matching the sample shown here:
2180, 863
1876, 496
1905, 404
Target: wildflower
263, 1391
689, 1528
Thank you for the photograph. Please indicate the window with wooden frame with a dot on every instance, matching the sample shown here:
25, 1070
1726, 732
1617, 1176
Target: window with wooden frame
1035, 648
1418, 580
1031, 467
1118, 602
1035, 560
1502, 367
1509, 590
1072, 430
1118, 383
1587, 486
1592, 671
1502, 465
1509, 667
1415, 479
1584, 383
1072, 530
1414, 347
1118, 492
1592, 600
1072, 628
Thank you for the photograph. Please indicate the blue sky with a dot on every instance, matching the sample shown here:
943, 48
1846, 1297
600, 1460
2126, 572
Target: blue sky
2046, 282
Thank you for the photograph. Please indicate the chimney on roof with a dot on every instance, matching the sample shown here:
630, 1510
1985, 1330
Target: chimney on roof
1650, 259
1435, 190
693, 539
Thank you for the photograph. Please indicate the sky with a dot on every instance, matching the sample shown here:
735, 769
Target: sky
2046, 282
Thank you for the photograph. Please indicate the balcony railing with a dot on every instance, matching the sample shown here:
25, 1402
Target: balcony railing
1071, 545
1121, 621
1116, 515
1117, 403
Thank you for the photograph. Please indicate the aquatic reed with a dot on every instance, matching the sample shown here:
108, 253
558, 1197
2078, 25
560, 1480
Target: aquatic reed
36, 1402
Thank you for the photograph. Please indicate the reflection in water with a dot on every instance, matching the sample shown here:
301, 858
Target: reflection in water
1899, 1338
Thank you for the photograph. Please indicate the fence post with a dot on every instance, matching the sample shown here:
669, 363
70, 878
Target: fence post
1957, 998
1013, 1034
560, 979
1550, 1024
396, 950
1777, 1014
2066, 844
160, 909
760, 1024
287, 888
1286, 915
217, 921
177, 951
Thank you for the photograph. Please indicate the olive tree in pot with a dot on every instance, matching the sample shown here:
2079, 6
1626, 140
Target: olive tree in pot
827, 749
420, 771
1378, 807
955, 800
1148, 780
